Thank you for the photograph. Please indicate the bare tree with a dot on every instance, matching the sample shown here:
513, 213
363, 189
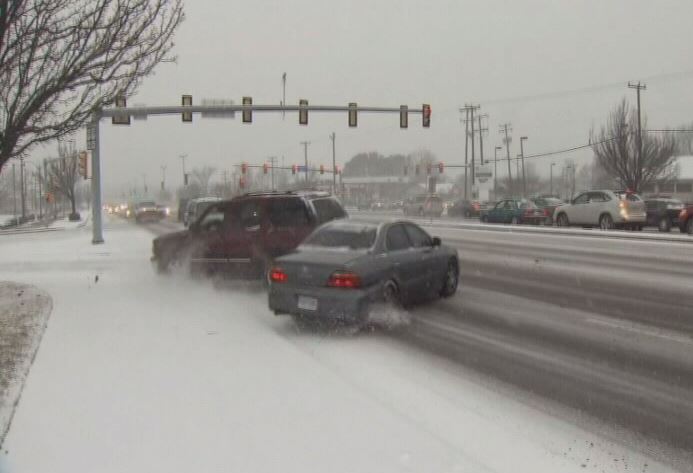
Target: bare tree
616, 149
201, 177
60, 60
63, 176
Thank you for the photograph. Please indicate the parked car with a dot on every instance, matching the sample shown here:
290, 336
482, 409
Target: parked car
686, 219
513, 211
196, 207
241, 236
663, 213
148, 211
548, 206
605, 209
345, 266
424, 205
464, 208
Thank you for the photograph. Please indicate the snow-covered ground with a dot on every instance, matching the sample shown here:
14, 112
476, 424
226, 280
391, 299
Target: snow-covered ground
138, 372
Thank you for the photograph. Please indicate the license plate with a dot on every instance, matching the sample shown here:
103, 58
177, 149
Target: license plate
307, 303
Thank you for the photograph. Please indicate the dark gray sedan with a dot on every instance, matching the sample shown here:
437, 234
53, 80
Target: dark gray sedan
345, 266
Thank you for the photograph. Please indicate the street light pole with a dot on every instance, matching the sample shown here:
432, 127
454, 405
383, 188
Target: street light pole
163, 177
21, 186
305, 157
14, 192
495, 171
524, 177
551, 177
182, 158
334, 166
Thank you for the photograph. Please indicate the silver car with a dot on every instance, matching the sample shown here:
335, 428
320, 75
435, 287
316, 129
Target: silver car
345, 266
604, 209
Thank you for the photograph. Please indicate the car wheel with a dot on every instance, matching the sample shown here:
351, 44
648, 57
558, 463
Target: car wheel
664, 224
606, 222
689, 226
514, 221
391, 293
452, 278
562, 221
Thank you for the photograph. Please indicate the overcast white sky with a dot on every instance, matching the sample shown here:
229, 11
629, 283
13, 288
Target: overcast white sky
505, 55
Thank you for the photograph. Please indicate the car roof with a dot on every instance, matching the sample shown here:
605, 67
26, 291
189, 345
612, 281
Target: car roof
207, 199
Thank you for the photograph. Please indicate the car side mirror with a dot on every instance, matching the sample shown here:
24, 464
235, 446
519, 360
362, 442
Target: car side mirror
435, 241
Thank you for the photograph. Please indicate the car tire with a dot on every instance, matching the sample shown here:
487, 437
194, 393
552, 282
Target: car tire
451, 281
562, 220
664, 224
391, 294
606, 222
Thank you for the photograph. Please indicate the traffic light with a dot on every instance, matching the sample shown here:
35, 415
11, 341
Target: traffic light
83, 164
322, 169
120, 102
244, 168
302, 112
187, 102
441, 167
352, 114
426, 115
403, 116
337, 170
247, 114
265, 168
294, 168
428, 169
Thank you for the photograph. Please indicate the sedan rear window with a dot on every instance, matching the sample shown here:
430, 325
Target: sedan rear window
343, 236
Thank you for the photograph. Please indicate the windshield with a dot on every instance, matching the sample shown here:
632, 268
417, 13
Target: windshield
352, 236
361, 236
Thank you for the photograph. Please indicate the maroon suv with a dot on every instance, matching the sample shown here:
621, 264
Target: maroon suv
243, 235
686, 219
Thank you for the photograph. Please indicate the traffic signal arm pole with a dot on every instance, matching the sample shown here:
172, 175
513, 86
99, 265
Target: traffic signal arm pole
97, 229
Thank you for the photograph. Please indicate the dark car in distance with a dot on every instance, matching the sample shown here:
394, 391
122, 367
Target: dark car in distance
464, 208
513, 211
663, 213
346, 266
241, 236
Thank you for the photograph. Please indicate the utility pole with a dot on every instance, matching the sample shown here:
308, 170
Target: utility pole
226, 182
144, 182
182, 158
273, 162
522, 156
472, 109
334, 165
504, 128
305, 156
283, 94
551, 177
21, 186
466, 148
40, 192
638, 87
163, 177
14, 192
481, 138
495, 171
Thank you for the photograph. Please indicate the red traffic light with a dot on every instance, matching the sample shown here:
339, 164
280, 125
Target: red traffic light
441, 167
294, 168
426, 115
337, 169
322, 169
265, 168
244, 168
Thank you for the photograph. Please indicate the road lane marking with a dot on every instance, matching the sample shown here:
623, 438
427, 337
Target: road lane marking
642, 330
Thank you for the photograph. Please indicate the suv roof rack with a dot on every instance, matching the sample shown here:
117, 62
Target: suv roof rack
301, 192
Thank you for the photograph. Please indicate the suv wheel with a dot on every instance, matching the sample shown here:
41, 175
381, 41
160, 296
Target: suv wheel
452, 278
664, 224
606, 222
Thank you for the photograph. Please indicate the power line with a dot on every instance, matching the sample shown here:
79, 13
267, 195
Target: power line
673, 130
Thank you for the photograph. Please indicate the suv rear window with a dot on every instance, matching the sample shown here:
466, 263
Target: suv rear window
328, 209
288, 212
630, 196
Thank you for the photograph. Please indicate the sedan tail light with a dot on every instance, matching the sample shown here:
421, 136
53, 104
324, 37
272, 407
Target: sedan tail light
278, 275
344, 279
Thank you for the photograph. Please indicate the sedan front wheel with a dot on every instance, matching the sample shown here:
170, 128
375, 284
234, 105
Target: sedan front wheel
452, 278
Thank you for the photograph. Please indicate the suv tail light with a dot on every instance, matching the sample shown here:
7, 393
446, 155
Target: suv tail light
278, 275
344, 279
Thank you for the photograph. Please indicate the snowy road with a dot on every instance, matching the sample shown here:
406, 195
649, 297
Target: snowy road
143, 373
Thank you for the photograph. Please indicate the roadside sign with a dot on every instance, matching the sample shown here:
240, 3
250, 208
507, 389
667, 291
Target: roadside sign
91, 140
218, 102
483, 172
